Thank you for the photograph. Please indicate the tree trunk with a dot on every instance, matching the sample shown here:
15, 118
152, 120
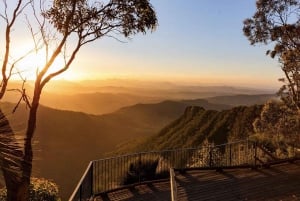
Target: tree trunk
28, 152
17, 191
16, 166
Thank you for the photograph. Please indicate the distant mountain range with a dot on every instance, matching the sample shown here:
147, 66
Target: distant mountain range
105, 103
104, 97
241, 99
74, 138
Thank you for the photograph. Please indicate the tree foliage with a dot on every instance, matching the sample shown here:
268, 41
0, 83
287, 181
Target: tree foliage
277, 22
96, 19
279, 122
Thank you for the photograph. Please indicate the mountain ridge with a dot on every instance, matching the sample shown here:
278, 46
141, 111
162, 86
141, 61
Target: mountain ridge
198, 124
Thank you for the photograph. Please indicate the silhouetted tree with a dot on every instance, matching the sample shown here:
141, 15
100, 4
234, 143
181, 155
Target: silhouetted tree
11, 153
65, 26
278, 23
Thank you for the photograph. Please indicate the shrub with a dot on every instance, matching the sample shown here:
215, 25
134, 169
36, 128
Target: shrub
39, 190
146, 170
141, 171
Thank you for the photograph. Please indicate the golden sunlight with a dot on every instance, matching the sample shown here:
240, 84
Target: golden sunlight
32, 62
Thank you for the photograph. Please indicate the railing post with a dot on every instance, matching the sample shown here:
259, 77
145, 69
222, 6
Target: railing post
230, 155
139, 167
294, 151
255, 153
92, 178
210, 156
80, 192
173, 185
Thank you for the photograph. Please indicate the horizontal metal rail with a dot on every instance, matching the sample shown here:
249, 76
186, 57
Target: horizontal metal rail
105, 175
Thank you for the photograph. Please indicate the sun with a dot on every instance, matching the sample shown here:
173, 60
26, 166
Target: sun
33, 62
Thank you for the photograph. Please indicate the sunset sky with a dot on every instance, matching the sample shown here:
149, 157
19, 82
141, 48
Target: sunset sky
196, 41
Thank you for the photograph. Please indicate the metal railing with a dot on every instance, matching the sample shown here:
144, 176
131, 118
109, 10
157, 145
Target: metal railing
173, 185
84, 189
109, 174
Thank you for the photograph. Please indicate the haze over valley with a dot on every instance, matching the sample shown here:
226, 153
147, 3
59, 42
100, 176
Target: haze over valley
106, 96
74, 128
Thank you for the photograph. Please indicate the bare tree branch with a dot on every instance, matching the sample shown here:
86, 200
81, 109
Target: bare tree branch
5, 11
24, 97
66, 67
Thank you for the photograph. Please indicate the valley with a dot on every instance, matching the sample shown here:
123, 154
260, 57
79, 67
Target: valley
65, 141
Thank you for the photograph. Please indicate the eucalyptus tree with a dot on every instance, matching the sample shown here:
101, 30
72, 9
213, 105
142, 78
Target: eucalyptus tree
11, 153
60, 28
276, 23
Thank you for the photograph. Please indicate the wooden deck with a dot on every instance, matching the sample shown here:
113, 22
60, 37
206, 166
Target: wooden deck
147, 192
280, 182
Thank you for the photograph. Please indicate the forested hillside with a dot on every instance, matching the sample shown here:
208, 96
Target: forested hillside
198, 124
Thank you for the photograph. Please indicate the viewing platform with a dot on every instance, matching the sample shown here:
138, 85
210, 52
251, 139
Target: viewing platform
241, 170
279, 182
